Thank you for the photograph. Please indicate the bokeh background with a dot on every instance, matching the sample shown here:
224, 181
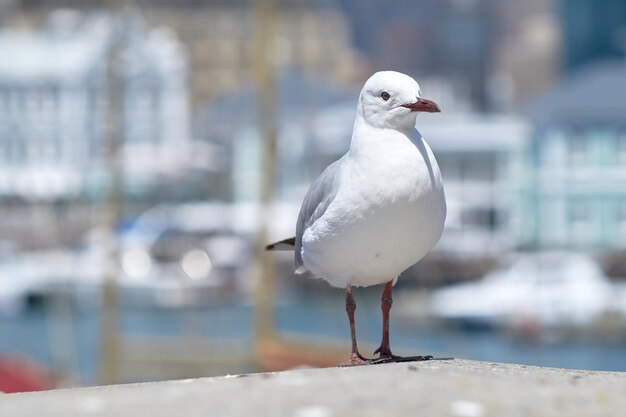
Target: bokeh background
150, 148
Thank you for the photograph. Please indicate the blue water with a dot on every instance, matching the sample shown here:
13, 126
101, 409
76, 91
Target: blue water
31, 335
420, 338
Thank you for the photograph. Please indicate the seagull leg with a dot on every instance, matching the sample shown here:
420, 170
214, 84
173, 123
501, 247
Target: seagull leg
386, 300
355, 357
384, 351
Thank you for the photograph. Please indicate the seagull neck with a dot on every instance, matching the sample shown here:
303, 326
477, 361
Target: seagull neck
366, 137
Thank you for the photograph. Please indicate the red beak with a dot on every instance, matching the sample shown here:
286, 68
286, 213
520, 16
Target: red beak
423, 105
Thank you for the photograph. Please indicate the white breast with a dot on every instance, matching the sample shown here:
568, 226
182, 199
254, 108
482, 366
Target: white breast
388, 213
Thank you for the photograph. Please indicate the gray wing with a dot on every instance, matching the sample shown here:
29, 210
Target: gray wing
316, 201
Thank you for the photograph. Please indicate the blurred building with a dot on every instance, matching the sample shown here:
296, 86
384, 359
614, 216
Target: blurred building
578, 157
53, 96
311, 37
231, 124
49, 124
538, 40
220, 36
449, 39
482, 160
592, 30
526, 56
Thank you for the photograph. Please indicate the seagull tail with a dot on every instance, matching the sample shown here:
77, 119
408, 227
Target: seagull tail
285, 244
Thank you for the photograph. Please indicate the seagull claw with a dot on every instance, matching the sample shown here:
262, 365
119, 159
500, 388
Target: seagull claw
356, 359
395, 358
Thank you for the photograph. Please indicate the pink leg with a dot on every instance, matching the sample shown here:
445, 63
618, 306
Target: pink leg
355, 357
386, 300
384, 351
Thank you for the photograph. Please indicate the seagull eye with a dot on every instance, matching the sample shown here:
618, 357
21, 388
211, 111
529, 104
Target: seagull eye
385, 95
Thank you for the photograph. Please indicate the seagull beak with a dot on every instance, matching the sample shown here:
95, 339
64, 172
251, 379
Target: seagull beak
423, 105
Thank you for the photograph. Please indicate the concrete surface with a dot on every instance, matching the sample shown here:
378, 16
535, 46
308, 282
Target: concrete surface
456, 388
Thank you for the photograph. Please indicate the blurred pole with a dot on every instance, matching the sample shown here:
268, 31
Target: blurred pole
265, 73
110, 334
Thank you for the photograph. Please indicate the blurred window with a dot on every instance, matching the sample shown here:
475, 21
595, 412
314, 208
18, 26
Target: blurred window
4, 102
621, 218
17, 149
143, 115
621, 148
579, 211
480, 217
4, 150
33, 99
580, 221
9, 99
49, 149
549, 150
450, 167
470, 166
48, 101
578, 149
479, 167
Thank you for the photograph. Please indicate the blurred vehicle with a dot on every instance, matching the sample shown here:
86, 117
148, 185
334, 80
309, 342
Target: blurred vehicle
542, 290
175, 255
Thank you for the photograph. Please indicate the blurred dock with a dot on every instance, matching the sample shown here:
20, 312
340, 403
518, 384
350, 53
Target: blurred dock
451, 388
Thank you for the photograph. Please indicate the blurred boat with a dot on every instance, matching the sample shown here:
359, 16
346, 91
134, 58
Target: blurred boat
12, 298
620, 296
31, 275
542, 290
174, 255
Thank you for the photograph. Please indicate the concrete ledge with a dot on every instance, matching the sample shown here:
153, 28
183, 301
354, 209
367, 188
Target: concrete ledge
436, 388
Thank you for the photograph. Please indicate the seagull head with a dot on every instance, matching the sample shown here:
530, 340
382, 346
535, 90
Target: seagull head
392, 100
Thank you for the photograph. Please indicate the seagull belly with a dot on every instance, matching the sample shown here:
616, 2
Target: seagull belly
364, 242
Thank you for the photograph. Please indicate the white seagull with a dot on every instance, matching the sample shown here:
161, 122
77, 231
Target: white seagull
377, 210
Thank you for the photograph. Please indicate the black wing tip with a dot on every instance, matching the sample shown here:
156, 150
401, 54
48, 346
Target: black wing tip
289, 243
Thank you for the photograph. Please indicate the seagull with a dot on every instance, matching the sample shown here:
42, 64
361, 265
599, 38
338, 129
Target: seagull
378, 209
